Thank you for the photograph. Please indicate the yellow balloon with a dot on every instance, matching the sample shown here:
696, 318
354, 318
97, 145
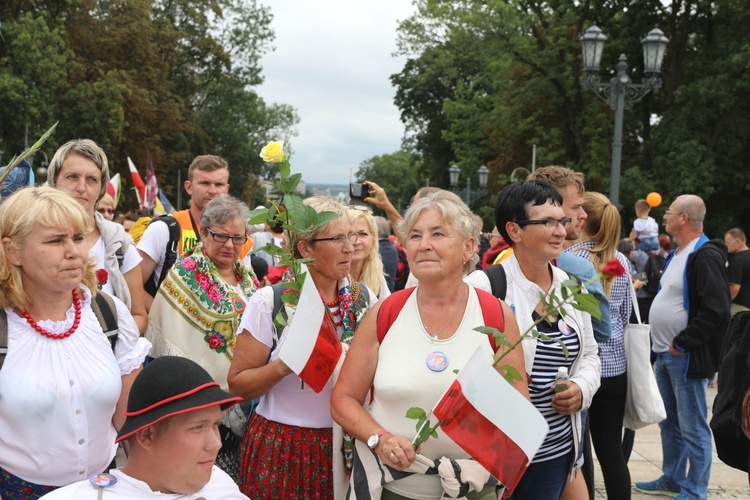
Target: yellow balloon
653, 199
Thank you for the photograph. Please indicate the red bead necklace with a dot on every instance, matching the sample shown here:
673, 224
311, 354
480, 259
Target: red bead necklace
57, 336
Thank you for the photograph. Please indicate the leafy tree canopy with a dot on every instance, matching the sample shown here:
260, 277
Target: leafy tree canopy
485, 81
173, 78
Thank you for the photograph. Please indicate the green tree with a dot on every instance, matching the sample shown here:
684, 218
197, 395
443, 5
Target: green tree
171, 78
490, 79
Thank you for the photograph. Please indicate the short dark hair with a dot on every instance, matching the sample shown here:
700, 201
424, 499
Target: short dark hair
514, 198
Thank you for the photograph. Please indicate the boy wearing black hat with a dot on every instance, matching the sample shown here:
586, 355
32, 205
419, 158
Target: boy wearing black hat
172, 426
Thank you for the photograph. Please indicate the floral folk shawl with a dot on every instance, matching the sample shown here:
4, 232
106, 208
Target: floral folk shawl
196, 313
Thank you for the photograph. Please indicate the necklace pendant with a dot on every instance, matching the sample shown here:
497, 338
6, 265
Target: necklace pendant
437, 361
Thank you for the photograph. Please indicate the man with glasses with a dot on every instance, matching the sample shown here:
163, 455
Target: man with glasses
689, 316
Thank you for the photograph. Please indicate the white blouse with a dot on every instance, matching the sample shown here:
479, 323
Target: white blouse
57, 397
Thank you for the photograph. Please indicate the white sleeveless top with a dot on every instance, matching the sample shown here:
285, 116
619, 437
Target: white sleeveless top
403, 380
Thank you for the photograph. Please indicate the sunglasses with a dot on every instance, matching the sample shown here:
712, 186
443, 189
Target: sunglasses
106, 210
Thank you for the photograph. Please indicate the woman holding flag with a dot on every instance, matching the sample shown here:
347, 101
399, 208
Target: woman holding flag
80, 168
410, 359
288, 451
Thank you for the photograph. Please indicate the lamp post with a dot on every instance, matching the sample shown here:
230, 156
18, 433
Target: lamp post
619, 91
455, 172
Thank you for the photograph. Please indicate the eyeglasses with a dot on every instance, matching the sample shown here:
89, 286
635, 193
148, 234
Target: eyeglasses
670, 212
548, 223
223, 238
340, 239
106, 210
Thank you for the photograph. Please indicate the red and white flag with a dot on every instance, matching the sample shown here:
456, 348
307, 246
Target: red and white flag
113, 188
152, 187
140, 186
312, 347
491, 421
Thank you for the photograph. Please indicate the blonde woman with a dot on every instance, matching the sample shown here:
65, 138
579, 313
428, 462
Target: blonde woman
367, 265
599, 237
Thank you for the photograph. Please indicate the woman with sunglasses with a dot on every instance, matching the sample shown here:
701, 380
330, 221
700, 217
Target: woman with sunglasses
529, 216
289, 449
200, 303
80, 168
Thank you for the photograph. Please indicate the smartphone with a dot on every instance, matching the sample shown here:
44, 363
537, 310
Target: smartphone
357, 194
642, 277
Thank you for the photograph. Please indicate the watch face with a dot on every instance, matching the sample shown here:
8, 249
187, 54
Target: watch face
372, 441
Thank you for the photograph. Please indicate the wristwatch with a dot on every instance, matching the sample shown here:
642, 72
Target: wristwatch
372, 441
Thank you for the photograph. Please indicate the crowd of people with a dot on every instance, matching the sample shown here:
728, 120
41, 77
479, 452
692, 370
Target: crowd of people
189, 383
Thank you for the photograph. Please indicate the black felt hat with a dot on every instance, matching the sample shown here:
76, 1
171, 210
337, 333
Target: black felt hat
170, 386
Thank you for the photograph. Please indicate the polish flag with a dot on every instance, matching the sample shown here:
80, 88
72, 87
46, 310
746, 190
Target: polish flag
312, 347
491, 421
140, 186
113, 188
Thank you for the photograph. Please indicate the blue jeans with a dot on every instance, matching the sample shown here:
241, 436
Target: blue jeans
544, 480
685, 434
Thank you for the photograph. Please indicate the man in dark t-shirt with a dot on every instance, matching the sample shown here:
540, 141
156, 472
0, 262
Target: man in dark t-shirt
739, 269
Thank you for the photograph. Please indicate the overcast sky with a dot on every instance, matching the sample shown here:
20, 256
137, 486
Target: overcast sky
332, 62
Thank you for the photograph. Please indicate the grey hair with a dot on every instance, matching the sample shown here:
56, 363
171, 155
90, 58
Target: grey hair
694, 207
223, 209
384, 227
455, 213
82, 147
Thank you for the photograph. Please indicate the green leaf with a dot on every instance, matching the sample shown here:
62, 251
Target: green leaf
434, 433
284, 168
511, 373
291, 183
415, 412
258, 216
324, 218
297, 211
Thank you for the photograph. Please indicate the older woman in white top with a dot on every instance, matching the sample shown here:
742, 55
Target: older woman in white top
63, 388
80, 168
413, 364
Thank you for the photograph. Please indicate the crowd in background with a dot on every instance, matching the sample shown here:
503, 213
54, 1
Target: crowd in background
203, 285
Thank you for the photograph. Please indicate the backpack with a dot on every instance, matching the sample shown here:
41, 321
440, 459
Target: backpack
170, 255
402, 269
732, 446
104, 308
653, 269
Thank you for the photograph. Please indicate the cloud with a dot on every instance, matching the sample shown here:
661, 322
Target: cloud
332, 62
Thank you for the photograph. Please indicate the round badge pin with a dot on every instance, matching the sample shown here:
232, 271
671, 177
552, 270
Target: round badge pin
565, 329
103, 480
437, 361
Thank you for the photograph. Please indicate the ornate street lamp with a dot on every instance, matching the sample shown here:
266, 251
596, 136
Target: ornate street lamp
454, 172
619, 91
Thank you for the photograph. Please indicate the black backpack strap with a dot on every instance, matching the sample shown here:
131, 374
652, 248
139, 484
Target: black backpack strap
3, 336
170, 253
106, 313
278, 291
498, 281
120, 254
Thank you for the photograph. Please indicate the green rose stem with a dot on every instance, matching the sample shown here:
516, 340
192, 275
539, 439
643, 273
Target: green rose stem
572, 293
297, 217
33, 149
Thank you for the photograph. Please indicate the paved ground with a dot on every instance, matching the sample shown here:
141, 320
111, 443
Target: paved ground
645, 465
